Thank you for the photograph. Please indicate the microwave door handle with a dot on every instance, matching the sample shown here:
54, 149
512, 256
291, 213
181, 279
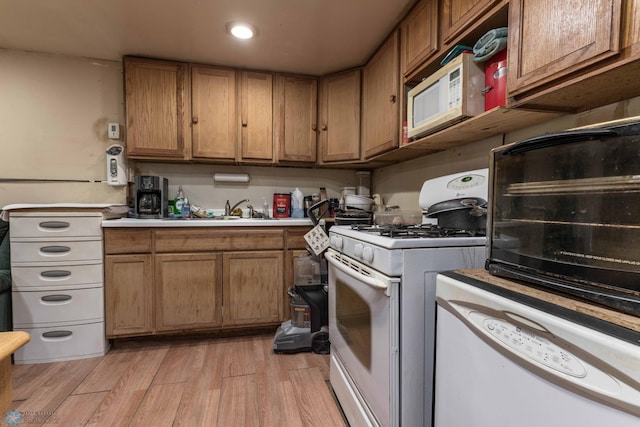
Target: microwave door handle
558, 138
369, 281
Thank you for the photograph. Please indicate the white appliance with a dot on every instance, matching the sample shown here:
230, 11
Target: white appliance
116, 165
451, 94
501, 362
382, 316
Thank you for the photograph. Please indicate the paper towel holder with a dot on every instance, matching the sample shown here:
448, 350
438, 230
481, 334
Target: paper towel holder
231, 177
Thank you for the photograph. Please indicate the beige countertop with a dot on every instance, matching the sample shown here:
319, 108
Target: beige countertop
207, 222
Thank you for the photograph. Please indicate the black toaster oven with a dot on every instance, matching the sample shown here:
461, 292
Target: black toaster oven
564, 213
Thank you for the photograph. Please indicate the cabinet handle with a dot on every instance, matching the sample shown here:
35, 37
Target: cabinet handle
194, 120
392, 99
56, 273
244, 123
314, 127
56, 298
54, 224
324, 127
55, 249
57, 334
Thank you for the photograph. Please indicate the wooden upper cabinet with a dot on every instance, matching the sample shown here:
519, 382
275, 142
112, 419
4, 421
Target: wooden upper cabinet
256, 116
156, 98
213, 113
419, 35
458, 15
295, 126
340, 117
549, 39
380, 99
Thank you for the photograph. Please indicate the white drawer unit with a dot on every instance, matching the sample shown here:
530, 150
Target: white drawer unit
60, 250
58, 284
60, 343
33, 309
39, 277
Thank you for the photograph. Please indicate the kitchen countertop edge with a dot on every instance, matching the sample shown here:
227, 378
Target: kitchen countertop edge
244, 222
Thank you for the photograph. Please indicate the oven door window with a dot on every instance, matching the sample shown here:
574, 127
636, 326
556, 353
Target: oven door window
353, 318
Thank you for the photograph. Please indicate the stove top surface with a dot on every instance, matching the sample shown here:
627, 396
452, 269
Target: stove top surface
411, 236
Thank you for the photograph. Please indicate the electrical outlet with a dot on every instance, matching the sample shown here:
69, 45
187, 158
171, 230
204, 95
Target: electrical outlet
114, 131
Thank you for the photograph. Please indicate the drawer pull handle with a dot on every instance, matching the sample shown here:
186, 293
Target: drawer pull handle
57, 334
55, 249
56, 273
56, 298
54, 224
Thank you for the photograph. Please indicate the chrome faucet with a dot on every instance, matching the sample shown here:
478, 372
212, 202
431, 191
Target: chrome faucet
228, 208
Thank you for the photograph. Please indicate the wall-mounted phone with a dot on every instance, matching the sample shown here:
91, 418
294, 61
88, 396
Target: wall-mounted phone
116, 165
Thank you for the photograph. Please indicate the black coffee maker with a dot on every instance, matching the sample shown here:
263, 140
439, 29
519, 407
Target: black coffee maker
151, 197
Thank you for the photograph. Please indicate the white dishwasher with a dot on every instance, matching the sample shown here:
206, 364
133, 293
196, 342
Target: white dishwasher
504, 363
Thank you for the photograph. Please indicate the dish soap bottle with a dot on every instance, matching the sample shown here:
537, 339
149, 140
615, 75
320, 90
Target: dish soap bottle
179, 203
297, 200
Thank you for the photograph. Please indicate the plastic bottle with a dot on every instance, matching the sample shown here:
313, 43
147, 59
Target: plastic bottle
297, 203
179, 202
186, 209
265, 207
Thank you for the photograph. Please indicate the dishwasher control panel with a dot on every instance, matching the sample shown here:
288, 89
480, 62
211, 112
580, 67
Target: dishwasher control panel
534, 347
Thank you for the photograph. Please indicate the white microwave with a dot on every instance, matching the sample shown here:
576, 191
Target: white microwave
449, 95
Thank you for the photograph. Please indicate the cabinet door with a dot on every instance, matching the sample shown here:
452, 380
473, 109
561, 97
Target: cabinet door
256, 117
419, 35
458, 15
252, 290
188, 291
213, 113
295, 118
380, 88
549, 39
128, 295
340, 117
156, 99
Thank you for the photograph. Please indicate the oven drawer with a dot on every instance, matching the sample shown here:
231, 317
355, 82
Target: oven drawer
68, 276
59, 307
56, 251
59, 343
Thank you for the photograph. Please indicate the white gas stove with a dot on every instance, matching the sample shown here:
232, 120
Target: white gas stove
382, 313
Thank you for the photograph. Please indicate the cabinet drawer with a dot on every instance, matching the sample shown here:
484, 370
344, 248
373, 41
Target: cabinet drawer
55, 226
127, 241
68, 276
56, 344
56, 251
218, 240
57, 308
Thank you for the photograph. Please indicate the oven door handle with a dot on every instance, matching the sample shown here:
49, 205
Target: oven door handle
369, 281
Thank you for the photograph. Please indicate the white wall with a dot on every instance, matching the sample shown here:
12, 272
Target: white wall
54, 112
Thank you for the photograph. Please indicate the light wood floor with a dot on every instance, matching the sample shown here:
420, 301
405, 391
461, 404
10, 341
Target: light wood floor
226, 382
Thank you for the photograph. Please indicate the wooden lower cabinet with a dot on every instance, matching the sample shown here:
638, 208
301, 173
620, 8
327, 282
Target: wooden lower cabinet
128, 295
252, 287
188, 291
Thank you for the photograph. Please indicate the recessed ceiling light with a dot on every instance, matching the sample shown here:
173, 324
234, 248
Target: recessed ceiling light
241, 30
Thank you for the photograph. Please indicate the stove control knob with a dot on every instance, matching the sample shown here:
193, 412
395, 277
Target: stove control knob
367, 254
336, 242
357, 250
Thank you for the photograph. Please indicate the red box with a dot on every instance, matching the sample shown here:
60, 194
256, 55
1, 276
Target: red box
495, 80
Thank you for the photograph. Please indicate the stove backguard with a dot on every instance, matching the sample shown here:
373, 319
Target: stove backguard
565, 214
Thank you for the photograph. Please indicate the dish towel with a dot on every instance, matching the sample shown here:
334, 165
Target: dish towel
491, 43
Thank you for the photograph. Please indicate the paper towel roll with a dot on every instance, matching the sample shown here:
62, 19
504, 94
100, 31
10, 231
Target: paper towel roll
231, 177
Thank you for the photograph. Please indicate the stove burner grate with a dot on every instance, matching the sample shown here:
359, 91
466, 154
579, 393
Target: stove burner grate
416, 231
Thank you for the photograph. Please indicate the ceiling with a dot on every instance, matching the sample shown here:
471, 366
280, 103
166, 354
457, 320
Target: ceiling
313, 37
